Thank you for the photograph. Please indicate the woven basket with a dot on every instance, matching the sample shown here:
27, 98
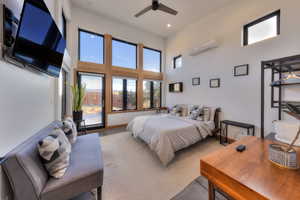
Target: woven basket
281, 158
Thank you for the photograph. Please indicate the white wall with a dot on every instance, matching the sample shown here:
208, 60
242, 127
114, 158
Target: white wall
29, 101
239, 97
92, 22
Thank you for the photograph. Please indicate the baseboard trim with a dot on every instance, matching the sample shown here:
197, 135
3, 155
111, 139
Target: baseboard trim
106, 128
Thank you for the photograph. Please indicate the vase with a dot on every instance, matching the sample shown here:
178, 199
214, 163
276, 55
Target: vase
77, 116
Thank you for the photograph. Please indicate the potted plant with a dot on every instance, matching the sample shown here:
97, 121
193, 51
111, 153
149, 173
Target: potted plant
78, 92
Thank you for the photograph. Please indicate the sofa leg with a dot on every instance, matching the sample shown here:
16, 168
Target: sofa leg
99, 193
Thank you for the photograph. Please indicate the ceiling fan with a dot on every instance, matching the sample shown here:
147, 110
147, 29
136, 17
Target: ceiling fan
157, 6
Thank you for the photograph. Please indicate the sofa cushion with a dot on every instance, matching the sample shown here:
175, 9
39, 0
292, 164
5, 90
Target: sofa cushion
85, 171
24, 169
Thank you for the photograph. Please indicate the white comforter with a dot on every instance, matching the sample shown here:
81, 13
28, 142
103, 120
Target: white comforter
166, 134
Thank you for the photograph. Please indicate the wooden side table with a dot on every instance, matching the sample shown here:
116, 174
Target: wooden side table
224, 126
249, 175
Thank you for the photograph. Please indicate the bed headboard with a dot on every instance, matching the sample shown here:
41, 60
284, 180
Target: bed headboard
217, 121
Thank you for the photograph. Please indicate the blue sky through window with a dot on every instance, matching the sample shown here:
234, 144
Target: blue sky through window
152, 60
91, 48
123, 54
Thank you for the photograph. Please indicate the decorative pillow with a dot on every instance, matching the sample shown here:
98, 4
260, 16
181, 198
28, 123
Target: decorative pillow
69, 128
206, 114
176, 110
195, 114
54, 155
62, 138
193, 108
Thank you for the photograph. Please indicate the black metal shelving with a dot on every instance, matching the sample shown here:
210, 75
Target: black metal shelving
278, 67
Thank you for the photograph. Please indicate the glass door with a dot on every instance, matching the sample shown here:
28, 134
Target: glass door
93, 104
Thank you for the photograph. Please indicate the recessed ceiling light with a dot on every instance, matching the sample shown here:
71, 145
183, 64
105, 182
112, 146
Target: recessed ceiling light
169, 25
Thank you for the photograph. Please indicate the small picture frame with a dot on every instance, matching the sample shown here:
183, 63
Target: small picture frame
241, 70
196, 81
215, 83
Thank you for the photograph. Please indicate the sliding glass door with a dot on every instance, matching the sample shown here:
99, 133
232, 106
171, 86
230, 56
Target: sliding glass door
93, 104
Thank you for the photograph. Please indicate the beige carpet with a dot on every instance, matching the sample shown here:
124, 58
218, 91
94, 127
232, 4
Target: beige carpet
133, 172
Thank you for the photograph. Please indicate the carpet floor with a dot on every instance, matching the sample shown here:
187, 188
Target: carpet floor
133, 172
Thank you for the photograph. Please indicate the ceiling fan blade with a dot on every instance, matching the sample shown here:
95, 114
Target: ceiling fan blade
166, 9
143, 11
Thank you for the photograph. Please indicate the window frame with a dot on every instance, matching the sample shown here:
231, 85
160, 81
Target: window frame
257, 21
78, 81
64, 97
64, 23
93, 33
126, 42
174, 61
125, 92
152, 94
160, 57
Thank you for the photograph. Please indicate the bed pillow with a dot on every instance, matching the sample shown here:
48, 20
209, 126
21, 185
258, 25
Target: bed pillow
195, 114
175, 110
55, 156
70, 130
206, 113
193, 108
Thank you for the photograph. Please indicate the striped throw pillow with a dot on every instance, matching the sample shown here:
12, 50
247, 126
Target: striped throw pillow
55, 156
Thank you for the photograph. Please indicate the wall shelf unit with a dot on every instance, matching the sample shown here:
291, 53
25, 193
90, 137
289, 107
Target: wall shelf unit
278, 67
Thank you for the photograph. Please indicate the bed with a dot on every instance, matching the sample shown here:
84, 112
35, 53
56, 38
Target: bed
166, 134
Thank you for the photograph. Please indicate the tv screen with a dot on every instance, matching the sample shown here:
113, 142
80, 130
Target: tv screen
39, 42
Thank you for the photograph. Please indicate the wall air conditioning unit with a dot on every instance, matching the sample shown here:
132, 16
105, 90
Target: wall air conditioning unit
211, 44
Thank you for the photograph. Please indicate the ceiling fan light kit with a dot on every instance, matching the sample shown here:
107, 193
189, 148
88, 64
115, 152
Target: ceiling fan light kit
157, 6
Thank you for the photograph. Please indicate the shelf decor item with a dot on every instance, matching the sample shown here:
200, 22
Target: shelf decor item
78, 94
285, 156
241, 70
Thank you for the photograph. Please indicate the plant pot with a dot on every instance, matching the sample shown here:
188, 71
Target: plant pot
77, 116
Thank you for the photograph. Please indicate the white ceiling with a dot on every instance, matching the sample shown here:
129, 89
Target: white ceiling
153, 21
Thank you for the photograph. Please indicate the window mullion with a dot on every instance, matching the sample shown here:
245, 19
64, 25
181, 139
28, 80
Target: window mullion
151, 94
124, 94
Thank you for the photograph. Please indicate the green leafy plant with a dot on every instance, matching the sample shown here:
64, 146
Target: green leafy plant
78, 92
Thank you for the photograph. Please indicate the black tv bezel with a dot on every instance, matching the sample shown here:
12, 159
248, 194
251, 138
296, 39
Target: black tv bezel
10, 51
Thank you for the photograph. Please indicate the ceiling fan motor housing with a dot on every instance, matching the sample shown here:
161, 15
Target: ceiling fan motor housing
155, 5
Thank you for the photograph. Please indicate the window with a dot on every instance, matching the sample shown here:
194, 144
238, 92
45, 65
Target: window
152, 60
262, 29
91, 47
124, 54
124, 94
64, 26
151, 94
177, 62
93, 103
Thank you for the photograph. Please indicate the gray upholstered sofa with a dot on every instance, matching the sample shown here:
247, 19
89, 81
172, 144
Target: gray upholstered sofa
29, 179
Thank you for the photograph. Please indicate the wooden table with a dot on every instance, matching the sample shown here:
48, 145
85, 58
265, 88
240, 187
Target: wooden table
249, 175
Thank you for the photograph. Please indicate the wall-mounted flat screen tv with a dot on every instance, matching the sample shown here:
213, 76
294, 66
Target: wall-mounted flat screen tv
38, 42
